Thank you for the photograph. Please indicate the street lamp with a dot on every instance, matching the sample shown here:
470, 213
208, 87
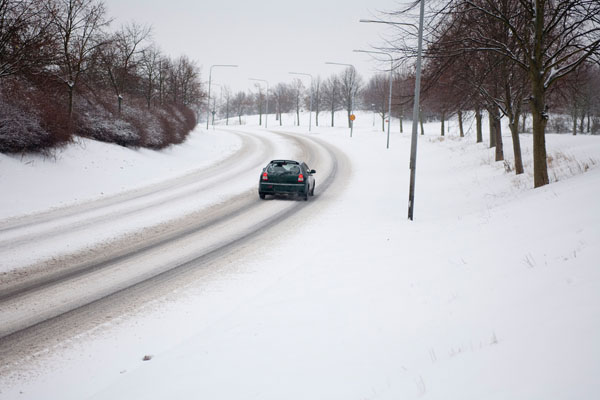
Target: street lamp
375, 21
352, 89
390, 99
267, 109
413, 140
310, 101
209, 84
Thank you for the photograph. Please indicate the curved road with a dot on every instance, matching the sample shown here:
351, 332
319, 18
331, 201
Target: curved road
61, 297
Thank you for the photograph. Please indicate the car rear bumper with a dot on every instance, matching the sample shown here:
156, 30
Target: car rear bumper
281, 188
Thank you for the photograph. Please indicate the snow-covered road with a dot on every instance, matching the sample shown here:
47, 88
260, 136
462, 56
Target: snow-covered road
98, 249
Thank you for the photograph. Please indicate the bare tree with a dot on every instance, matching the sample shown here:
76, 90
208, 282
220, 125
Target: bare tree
376, 92
350, 85
78, 24
554, 38
284, 100
239, 103
226, 106
120, 57
298, 87
317, 98
331, 95
150, 68
26, 37
259, 100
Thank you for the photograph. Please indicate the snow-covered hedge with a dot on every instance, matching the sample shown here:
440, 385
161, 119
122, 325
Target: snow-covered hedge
33, 120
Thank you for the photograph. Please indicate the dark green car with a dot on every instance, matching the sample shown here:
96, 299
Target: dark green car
286, 177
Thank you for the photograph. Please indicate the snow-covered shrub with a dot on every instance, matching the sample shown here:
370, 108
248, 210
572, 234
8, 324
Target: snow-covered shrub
95, 121
558, 124
30, 119
20, 130
35, 117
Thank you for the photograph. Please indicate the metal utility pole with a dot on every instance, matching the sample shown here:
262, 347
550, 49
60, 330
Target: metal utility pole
416, 110
311, 95
413, 140
267, 107
390, 93
352, 94
209, 84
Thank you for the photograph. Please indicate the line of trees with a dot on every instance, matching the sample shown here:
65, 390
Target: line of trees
512, 58
63, 73
341, 91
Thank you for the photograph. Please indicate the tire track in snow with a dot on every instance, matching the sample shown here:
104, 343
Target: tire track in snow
28, 343
162, 275
79, 218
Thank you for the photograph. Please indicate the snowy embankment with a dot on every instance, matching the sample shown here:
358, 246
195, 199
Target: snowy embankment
90, 170
493, 292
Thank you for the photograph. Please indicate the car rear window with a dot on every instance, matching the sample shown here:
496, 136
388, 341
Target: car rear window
283, 169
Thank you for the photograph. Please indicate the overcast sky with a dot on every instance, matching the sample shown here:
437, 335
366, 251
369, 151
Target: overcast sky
266, 38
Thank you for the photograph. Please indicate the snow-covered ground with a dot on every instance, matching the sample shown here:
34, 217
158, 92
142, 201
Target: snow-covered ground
492, 292
89, 170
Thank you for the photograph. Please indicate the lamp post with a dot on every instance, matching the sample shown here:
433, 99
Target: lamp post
267, 108
390, 93
351, 94
209, 84
413, 140
310, 101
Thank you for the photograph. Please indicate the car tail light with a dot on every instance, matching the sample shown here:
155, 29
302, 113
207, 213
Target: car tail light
300, 178
265, 176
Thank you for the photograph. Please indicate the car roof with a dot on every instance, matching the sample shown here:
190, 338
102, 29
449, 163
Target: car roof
284, 162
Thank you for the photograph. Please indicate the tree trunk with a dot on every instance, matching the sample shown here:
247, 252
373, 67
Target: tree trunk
492, 126
540, 162
401, 128
588, 123
421, 123
443, 118
538, 101
574, 117
524, 126
514, 131
227, 113
460, 123
499, 147
70, 103
478, 118
383, 122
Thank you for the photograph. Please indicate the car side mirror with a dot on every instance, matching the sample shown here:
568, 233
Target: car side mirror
312, 171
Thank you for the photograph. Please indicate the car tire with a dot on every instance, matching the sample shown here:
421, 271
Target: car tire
262, 195
306, 196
